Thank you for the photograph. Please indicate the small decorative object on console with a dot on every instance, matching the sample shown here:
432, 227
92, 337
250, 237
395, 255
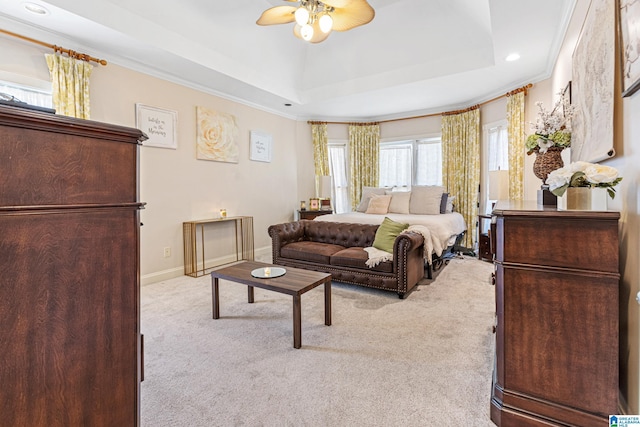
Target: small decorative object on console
314, 204
325, 204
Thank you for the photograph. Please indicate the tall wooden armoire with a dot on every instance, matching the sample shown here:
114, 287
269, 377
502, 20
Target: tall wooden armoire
70, 343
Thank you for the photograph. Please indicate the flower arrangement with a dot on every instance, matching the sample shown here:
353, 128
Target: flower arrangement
583, 174
552, 128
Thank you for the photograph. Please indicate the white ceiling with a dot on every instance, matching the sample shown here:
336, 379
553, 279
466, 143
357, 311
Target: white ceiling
415, 57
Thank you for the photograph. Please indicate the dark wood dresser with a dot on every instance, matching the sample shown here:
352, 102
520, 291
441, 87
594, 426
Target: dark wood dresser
70, 343
312, 214
557, 285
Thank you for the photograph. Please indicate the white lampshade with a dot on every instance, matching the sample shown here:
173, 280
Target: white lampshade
302, 15
326, 23
306, 31
499, 185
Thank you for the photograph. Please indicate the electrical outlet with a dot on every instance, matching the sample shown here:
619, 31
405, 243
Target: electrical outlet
167, 252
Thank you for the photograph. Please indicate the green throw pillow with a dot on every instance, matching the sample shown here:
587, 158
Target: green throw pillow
387, 233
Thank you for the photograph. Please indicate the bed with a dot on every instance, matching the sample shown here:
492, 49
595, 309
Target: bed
444, 229
428, 210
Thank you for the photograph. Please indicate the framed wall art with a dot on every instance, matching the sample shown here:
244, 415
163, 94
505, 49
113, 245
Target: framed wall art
159, 125
630, 45
592, 85
260, 146
216, 136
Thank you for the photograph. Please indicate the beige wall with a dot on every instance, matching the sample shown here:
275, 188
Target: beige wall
176, 186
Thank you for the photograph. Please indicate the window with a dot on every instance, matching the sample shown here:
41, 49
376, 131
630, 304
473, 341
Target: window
338, 171
407, 163
429, 162
30, 95
498, 148
402, 164
396, 161
496, 153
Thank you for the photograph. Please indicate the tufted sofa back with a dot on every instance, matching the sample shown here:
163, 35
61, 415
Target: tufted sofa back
340, 233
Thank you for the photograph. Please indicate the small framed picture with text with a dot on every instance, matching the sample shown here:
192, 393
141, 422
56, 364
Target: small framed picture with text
159, 125
260, 146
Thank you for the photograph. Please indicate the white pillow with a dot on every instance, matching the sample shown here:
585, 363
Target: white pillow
378, 204
399, 201
367, 192
425, 199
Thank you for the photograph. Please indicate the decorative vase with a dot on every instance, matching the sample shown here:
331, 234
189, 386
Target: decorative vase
584, 199
547, 162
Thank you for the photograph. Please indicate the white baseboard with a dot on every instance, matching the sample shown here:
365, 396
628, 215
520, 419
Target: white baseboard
159, 276
262, 254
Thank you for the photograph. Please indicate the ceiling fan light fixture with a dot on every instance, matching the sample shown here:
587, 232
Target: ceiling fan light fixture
306, 31
315, 19
326, 23
302, 15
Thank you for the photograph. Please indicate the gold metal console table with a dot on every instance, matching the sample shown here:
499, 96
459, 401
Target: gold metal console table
243, 247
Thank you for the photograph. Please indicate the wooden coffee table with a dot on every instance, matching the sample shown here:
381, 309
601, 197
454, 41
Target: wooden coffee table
295, 282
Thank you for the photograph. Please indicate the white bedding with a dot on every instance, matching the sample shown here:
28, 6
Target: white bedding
443, 228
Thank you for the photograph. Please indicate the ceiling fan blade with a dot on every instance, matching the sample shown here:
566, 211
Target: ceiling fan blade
343, 4
358, 12
277, 15
349, 14
318, 35
338, 3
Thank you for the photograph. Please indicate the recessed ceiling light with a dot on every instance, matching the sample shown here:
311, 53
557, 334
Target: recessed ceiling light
512, 57
36, 8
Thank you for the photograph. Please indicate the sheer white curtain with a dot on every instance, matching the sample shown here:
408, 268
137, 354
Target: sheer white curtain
429, 162
498, 153
395, 165
338, 172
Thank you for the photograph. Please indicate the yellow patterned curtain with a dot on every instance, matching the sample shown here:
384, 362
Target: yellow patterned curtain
364, 143
70, 83
461, 165
516, 132
320, 149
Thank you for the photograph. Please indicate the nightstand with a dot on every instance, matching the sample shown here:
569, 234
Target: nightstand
311, 214
484, 241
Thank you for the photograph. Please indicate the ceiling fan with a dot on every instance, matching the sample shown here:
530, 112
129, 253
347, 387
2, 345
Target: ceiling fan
315, 19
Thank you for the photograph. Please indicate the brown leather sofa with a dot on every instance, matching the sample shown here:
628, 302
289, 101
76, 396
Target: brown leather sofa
338, 248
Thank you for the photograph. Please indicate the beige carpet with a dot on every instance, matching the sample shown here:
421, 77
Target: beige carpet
423, 361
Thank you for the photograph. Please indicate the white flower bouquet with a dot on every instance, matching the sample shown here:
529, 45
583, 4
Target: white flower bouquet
583, 174
552, 129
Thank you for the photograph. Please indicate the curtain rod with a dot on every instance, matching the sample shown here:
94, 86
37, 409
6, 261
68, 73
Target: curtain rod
71, 53
524, 89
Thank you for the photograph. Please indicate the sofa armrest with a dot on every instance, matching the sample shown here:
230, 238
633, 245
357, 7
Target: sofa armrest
407, 242
282, 234
408, 260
